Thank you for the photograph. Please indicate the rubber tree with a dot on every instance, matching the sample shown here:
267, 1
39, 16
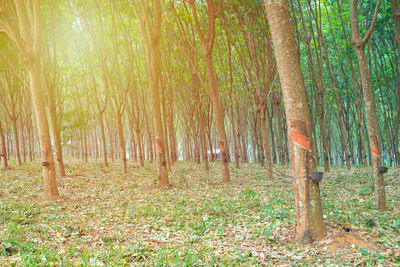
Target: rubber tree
11, 90
149, 18
21, 22
51, 83
310, 225
207, 39
188, 47
3, 149
395, 5
359, 44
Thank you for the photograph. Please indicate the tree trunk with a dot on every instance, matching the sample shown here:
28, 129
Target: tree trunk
133, 151
360, 118
96, 145
203, 140
258, 139
265, 137
121, 141
56, 133
85, 146
3, 148
395, 5
157, 124
280, 144
373, 129
23, 144
164, 120
151, 33
211, 147
196, 146
310, 224
207, 43
271, 130
244, 148
30, 143
370, 106
16, 141
103, 140
139, 141
234, 138
46, 153
110, 141
219, 117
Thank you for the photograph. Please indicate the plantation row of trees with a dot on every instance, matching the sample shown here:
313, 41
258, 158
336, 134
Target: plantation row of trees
200, 80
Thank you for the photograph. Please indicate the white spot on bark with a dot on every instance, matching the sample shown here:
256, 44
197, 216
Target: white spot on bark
368, 105
278, 2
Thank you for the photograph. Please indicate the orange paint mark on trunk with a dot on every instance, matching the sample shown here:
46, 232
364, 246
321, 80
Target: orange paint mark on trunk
374, 145
221, 147
375, 152
159, 148
42, 146
266, 147
300, 140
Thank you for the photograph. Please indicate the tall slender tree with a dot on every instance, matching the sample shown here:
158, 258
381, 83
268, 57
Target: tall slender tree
21, 21
207, 39
149, 18
310, 223
359, 44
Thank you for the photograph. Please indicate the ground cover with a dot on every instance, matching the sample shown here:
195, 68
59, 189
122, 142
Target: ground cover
108, 218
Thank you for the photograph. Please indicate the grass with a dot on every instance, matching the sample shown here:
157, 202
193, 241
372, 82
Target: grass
108, 218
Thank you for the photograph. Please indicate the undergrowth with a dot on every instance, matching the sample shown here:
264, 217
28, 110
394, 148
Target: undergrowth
108, 218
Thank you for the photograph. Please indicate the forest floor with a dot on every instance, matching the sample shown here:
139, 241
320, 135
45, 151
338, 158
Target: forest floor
107, 218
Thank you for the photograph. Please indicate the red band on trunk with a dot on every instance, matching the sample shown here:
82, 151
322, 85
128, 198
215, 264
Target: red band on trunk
42, 146
375, 152
159, 149
266, 147
300, 140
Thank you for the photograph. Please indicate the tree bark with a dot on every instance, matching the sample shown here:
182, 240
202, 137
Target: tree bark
56, 133
151, 33
46, 153
196, 93
279, 121
219, 117
121, 141
3, 148
370, 106
103, 140
395, 5
23, 144
207, 43
265, 137
310, 224
139, 140
16, 141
